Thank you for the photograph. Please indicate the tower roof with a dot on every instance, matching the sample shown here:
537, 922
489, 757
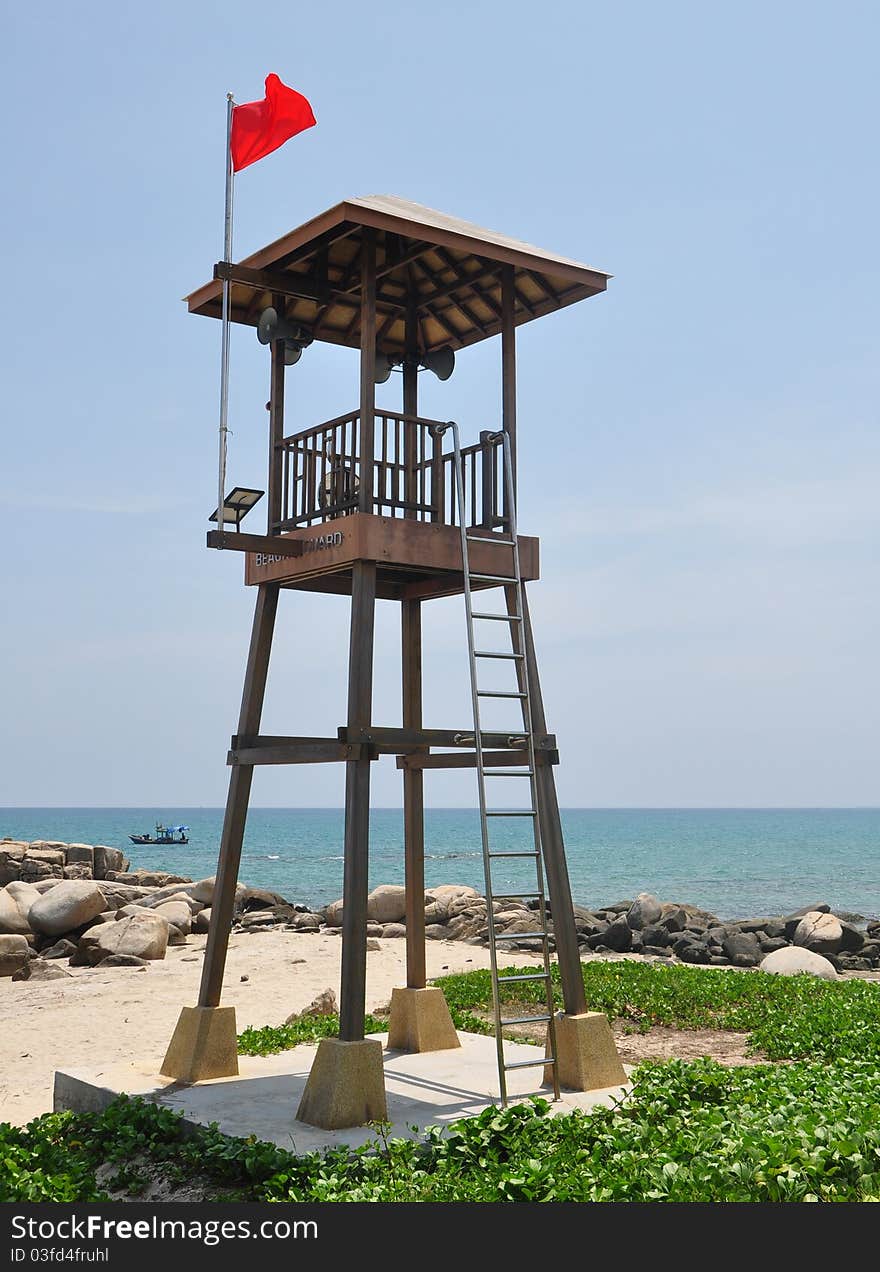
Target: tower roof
449, 270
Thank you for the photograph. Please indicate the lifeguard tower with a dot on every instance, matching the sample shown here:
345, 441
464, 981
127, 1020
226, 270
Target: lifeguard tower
388, 504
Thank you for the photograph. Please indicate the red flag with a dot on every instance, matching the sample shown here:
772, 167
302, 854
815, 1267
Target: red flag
258, 128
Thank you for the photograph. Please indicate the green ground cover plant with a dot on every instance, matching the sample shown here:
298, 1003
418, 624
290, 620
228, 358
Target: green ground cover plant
690, 1132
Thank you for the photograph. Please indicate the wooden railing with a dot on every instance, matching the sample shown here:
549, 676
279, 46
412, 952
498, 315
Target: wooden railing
413, 475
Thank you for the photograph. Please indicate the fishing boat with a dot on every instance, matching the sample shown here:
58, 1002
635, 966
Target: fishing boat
163, 835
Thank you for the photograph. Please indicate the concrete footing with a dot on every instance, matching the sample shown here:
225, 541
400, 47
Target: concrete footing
587, 1056
420, 1021
204, 1045
346, 1085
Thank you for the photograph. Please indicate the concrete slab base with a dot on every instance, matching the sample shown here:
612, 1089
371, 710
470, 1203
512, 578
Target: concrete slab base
420, 1021
204, 1045
433, 1088
346, 1085
586, 1053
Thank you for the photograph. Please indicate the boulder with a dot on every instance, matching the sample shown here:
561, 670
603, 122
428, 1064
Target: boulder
79, 870
820, 932
69, 905
16, 900
374, 929
105, 859
794, 960
853, 939
743, 949
771, 943
36, 970
450, 891
14, 953
178, 914
144, 935
255, 899
123, 960
34, 869
373, 944
333, 914
176, 937
394, 929
673, 918
646, 909
618, 936
146, 878
387, 903
821, 907
694, 953
656, 934
324, 1005
203, 890
248, 922
46, 845
202, 920
436, 932
61, 949
305, 923
10, 863
436, 912
769, 926
82, 853
52, 856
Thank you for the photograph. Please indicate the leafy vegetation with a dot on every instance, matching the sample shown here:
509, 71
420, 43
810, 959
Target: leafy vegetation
273, 1038
788, 1018
689, 1132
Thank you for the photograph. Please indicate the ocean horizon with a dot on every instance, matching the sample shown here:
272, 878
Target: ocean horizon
735, 862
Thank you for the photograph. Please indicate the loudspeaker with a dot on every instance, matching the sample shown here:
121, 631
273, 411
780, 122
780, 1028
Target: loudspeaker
270, 327
441, 362
384, 367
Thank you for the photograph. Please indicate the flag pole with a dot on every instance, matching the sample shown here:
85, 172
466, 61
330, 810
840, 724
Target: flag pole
224, 339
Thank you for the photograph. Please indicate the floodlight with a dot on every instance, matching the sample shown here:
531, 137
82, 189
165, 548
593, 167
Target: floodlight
237, 505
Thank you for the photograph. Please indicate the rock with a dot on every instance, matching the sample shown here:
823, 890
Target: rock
853, 963
250, 921
770, 926
123, 960
61, 949
467, 906
693, 953
645, 910
436, 912
79, 870
394, 930
106, 859
771, 943
673, 918
254, 899
821, 907
387, 903
52, 856
324, 1005
34, 869
305, 923
853, 939
202, 920
436, 932
69, 905
333, 914
873, 926
657, 951
618, 936
79, 853
10, 863
373, 944
46, 845
145, 935
16, 900
743, 949
119, 894
146, 878
656, 934
14, 953
176, 937
820, 932
794, 960
178, 914
448, 892
36, 970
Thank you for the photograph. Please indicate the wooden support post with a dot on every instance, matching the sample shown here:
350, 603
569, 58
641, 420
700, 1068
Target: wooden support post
274, 510
413, 799
411, 407
550, 823
508, 365
357, 808
368, 370
237, 799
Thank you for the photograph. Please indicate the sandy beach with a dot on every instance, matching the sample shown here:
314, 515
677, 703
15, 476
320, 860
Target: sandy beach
127, 1015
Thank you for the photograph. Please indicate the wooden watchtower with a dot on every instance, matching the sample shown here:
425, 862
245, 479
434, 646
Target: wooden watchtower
365, 505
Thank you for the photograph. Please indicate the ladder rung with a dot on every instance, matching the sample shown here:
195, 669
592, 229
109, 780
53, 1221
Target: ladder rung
500, 693
508, 772
506, 980
491, 653
492, 578
500, 618
511, 812
530, 1064
513, 854
482, 538
525, 1020
519, 936
516, 896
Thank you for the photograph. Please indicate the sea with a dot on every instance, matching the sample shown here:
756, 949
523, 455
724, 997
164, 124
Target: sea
734, 862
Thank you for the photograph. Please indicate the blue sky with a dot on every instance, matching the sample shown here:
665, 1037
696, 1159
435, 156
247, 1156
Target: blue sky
699, 446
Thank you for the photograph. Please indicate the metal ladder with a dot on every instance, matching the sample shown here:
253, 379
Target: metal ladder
516, 656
